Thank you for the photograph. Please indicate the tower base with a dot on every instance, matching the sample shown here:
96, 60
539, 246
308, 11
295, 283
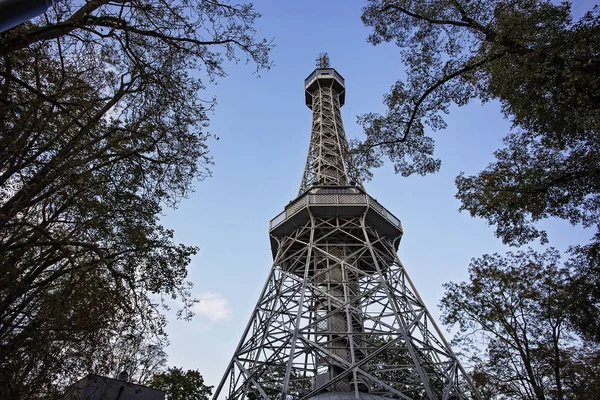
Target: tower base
339, 318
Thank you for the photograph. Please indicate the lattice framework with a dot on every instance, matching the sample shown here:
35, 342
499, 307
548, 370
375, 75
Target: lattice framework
338, 312
397, 350
324, 165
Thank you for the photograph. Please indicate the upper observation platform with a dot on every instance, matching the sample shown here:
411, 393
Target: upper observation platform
324, 78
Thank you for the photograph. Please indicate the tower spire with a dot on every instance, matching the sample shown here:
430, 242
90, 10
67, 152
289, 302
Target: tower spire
338, 317
323, 60
329, 162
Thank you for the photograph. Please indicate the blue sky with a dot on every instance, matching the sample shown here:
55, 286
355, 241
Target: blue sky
264, 128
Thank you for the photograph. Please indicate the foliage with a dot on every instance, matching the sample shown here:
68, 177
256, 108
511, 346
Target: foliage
180, 385
271, 381
540, 65
544, 70
584, 291
513, 324
395, 367
102, 125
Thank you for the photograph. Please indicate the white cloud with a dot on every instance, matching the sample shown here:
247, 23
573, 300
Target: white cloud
213, 306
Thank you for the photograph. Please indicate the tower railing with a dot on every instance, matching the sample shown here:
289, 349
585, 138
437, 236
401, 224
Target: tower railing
330, 199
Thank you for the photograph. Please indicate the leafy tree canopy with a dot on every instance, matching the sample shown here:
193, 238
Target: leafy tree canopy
103, 123
181, 385
544, 69
513, 319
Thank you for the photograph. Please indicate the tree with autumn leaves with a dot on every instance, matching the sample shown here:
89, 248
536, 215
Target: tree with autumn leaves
514, 329
103, 124
536, 320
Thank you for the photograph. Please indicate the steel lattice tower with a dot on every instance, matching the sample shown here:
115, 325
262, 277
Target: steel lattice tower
338, 317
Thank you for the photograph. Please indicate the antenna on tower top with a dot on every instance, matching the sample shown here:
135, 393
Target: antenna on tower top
323, 60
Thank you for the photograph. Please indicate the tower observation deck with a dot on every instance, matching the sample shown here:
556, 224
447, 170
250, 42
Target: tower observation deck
338, 317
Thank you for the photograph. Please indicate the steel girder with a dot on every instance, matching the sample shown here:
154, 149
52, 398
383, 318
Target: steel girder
329, 162
339, 313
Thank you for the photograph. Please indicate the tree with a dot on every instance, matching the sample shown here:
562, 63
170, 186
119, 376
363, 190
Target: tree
513, 323
180, 385
528, 54
584, 291
542, 67
102, 125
